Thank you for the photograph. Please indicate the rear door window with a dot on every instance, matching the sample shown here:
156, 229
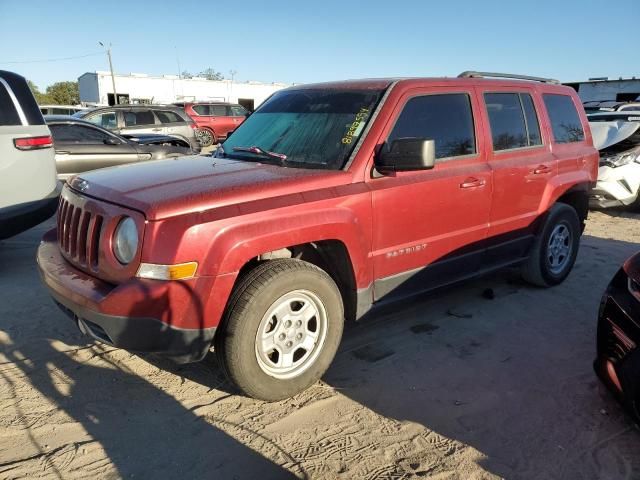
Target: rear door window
166, 116
238, 111
564, 118
201, 109
105, 120
8, 112
139, 117
218, 110
445, 118
513, 120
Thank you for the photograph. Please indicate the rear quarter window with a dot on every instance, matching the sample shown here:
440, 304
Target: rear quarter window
166, 116
8, 112
565, 122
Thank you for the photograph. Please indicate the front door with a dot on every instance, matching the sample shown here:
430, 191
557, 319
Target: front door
429, 226
81, 148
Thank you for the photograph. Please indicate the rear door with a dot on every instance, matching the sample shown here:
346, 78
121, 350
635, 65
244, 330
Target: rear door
223, 122
173, 124
520, 156
435, 218
81, 148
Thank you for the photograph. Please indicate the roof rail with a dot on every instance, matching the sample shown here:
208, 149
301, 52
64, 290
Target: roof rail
474, 74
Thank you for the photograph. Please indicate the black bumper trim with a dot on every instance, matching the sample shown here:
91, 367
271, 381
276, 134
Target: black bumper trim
139, 334
19, 218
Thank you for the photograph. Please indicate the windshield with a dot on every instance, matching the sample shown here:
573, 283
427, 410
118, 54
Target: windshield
309, 128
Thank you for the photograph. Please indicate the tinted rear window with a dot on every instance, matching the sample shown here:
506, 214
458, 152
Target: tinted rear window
166, 116
77, 134
139, 117
513, 120
26, 100
564, 118
8, 113
446, 118
201, 109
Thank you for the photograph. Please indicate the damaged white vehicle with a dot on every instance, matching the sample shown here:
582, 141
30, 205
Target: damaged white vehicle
617, 136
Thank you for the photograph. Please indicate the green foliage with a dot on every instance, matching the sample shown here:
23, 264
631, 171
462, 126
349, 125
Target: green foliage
64, 93
40, 97
211, 74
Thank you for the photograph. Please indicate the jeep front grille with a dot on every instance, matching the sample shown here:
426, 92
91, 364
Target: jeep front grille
79, 233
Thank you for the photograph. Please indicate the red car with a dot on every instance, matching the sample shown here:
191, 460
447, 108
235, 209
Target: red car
330, 199
215, 121
618, 359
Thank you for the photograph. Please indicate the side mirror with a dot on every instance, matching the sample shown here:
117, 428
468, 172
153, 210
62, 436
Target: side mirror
407, 154
111, 141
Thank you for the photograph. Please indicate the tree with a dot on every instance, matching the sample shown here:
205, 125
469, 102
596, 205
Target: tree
40, 97
211, 74
64, 93
186, 74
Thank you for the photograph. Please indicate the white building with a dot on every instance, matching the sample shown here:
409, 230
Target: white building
97, 89
594, 89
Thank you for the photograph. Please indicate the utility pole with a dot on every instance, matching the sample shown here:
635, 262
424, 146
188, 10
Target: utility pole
113, 78
233, 74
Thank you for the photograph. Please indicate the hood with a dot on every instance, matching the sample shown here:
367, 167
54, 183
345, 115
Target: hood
165, 188
606, 134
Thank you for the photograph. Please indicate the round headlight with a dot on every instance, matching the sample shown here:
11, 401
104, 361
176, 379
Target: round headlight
125, 240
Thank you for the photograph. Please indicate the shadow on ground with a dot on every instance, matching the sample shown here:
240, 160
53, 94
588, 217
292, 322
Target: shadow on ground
494, 364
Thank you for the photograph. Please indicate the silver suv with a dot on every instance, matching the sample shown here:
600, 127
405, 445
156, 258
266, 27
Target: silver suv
137, 119
29, 189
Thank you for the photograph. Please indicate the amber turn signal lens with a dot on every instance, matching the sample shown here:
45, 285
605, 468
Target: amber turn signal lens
180, 271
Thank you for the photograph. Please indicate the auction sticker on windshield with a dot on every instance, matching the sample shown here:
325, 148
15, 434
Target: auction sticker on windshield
355, 128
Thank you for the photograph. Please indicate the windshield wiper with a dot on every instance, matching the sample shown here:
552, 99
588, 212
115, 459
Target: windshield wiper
260, 151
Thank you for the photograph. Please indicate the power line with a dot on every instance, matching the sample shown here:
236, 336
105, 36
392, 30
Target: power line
53, 59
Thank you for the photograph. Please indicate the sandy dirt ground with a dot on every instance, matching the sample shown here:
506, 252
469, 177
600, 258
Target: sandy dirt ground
467, 384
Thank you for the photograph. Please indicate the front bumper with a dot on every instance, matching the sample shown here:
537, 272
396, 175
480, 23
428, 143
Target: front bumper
618, 360
139, 316
19, 218
616, 187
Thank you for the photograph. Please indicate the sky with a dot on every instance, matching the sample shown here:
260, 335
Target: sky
301, 42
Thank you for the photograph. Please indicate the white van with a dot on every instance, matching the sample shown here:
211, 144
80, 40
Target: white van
29, 188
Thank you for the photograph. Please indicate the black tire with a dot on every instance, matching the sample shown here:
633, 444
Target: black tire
635, 205
538, 270
236, 341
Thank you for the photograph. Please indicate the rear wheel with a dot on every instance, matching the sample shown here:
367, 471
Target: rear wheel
281, 330
555, 249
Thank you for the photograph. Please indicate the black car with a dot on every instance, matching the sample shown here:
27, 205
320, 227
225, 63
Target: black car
81, 146
618, 361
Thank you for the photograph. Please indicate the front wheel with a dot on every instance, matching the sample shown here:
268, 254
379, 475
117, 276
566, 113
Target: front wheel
555, 249
281, 330
205, 137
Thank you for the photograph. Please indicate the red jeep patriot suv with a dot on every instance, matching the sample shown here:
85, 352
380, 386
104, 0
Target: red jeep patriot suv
328, 200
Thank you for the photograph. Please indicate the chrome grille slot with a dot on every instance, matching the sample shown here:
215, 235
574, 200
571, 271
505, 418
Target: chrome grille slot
79, 232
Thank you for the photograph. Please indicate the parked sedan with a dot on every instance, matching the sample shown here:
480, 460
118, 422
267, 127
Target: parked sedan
618, 361
143, 119
81, 146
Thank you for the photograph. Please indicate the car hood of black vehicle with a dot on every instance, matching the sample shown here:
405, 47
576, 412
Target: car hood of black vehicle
165, 188
150, 139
